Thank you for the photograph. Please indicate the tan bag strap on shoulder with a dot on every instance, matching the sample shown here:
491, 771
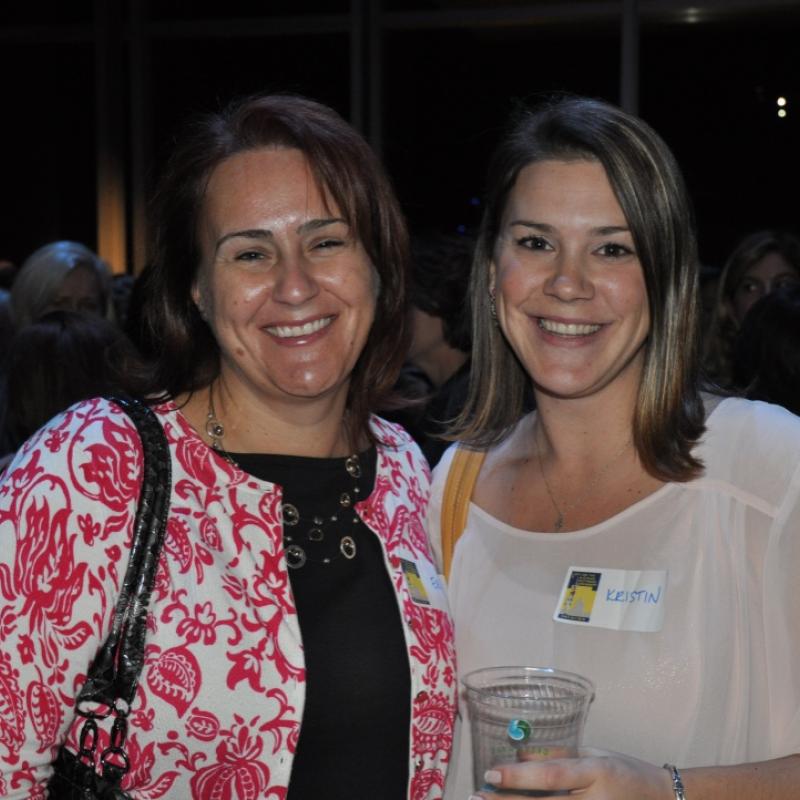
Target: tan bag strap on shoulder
458, 488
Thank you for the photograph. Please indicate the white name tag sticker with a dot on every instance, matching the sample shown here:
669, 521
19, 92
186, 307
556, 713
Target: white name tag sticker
619, 599
425, 586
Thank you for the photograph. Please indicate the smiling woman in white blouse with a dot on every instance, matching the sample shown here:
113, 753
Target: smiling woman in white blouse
679, 507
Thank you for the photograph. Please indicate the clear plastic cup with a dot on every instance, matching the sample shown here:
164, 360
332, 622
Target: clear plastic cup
524, 714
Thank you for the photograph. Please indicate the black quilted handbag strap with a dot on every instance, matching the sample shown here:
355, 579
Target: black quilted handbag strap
115, 671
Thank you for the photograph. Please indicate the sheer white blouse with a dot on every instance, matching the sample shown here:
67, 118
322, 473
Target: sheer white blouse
719, 683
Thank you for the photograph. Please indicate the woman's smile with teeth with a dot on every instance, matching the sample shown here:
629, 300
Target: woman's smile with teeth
567, 328
306, 329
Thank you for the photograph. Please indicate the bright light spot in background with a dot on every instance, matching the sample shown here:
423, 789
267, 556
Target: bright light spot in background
781, 101
693, 15
782, 112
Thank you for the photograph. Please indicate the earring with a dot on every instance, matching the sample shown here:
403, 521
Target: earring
493, 308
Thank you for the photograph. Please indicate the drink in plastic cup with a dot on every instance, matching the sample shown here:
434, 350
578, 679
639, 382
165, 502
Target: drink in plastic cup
524, 714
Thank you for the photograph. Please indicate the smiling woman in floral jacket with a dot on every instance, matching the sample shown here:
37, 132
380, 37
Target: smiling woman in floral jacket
298, 641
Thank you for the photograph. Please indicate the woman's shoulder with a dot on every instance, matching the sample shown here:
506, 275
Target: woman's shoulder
755, 423
440, 473
84, 424
394, 438
91, 438
752, 445
84, 462
487, 459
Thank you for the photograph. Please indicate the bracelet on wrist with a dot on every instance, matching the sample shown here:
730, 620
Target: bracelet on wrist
677, 783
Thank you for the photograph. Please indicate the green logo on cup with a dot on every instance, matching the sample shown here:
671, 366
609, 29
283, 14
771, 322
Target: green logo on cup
519, 730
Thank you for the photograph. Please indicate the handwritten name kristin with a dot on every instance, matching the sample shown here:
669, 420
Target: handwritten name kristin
642, 596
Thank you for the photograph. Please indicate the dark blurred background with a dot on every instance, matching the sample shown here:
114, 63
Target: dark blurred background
92, 93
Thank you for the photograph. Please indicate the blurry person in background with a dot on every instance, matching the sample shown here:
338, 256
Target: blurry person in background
60, 276
709, 286
6, 322
121, 290
760, 263
8, 271
64, 357
436, 371
766, 356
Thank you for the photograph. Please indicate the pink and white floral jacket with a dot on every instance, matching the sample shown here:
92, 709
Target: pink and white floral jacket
220, 700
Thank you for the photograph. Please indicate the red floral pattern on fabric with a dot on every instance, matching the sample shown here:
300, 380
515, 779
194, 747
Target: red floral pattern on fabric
218, 708
432, 723
426, 783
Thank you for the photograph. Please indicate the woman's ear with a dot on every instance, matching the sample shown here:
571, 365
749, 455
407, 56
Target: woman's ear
197, 298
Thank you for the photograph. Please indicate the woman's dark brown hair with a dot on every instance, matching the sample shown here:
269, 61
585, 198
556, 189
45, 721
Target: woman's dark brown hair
345, 167
647, 182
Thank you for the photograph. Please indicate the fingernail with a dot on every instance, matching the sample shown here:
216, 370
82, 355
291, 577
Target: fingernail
493, 776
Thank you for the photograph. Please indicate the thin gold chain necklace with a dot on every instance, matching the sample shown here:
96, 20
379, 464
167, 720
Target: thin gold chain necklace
561, 511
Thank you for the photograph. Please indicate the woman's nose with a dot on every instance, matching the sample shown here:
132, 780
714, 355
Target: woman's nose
569, 279
295, 282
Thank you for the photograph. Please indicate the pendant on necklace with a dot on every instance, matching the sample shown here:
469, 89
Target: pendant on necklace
347, 547
559, 523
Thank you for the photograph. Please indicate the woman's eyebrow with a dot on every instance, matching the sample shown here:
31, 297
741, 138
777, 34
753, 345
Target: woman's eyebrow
602, 230
314, 224
263, 233
253, 233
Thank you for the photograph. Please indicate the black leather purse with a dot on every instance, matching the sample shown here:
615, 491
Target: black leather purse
111, 681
